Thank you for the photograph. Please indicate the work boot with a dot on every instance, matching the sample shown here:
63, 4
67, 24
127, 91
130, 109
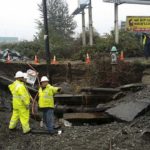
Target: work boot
28, 132
14, 129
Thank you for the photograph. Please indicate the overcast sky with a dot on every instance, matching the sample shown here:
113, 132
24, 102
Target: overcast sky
17, 17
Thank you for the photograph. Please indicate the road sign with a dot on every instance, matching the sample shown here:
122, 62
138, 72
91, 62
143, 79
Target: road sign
138, 23
84, 2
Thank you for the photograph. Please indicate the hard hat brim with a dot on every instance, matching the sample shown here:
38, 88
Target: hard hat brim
45, 81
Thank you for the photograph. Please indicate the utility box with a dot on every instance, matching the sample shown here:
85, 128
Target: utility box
113, 54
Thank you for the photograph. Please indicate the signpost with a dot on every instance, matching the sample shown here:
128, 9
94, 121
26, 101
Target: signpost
118, 2
90, 24
82, 4
116, 23
138, 23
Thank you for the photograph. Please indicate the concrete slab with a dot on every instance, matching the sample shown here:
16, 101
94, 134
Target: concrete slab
128, 111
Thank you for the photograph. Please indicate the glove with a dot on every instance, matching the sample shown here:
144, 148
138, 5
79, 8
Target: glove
59, 89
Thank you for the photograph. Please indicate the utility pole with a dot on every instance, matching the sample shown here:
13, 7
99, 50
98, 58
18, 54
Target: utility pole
46, 39
116, 24
83, 29
90, 24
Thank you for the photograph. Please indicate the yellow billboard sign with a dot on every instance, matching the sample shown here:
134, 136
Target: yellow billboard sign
138, 23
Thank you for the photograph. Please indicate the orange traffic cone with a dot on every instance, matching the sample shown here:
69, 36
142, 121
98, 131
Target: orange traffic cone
54, 60
122, 56
36, 61
87, 59
8, 58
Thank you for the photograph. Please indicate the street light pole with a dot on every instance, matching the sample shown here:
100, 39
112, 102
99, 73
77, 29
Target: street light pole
116, 24
83, 29
90, 24
46, 39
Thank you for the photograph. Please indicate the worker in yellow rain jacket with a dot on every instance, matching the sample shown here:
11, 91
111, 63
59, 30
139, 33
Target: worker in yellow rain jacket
21, 101
46, 103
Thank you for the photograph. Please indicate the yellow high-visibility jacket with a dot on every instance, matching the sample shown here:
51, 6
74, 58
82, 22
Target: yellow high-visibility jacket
46, 98
21, 97
144, 40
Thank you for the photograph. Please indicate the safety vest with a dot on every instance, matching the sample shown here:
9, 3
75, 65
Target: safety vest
46, 98
20, 94
144, 40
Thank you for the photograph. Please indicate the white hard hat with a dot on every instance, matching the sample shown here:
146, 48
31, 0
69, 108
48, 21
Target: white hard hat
19, 74
44, 78
25, 75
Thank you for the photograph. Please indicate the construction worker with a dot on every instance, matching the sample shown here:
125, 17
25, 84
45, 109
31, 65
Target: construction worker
46, 103
146, 44
21, 101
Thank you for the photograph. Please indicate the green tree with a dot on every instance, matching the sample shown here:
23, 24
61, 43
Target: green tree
60, 24
130, 43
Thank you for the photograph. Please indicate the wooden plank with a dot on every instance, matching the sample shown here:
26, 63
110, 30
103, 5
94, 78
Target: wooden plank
72, 116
